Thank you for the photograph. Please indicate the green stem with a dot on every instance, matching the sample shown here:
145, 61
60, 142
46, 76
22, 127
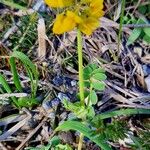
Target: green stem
121, 23
80, 63
81, 81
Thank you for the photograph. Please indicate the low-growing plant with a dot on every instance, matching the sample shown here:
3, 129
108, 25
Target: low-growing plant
32, 72
84, 16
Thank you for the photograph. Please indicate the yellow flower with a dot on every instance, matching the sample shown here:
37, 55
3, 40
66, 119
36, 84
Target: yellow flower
84, 14
59, 3
96, 7
88, 25
66, 22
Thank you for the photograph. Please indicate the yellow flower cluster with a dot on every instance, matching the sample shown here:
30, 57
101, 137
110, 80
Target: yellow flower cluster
83, 14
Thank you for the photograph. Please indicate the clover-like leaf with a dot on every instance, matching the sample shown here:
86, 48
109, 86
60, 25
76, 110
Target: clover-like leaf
98, 85
99, 76
93, 97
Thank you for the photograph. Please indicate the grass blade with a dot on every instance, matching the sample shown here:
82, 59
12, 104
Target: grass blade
31, 69
7, 88
122, 112
15, 74
12, 4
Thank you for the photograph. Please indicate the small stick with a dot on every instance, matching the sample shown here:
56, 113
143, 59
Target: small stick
30, 135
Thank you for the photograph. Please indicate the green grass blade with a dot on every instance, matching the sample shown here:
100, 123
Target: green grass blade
78, 126
12, 4
121, 23
5, 84
7, 88
15, 74
122, 112
30, 67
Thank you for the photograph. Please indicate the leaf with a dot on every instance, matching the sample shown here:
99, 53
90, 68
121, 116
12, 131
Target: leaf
7, 88
31, 69
146, 38
78, 126
63, 147
136, 32
27, 102
86, 72
91, 112
12, 4
93, 97
147, 31
15, 74
99, 76
93, 66
98, 85
122, 112
99, 70
134, 35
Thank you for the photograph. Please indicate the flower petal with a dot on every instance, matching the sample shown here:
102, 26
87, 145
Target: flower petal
89, 25
59, 3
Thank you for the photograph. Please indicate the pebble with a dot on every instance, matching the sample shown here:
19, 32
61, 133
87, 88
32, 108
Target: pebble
58, 80
146, 69
147, 81
55, 102
63, 115
63, 96
47, 104
51, 115
73, 83
51, 103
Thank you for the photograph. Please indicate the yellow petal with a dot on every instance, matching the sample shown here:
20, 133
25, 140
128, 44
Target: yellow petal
96, 7
74, 17
65, 22
58, 28
59, 3
89, 25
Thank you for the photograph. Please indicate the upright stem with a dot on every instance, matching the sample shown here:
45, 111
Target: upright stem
121, 23
80, 63
81, 81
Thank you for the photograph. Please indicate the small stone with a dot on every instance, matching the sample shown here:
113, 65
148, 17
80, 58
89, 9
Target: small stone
67, 81
47, 105
146, 69
63, 116
55, 102
51, 115
58, 80
73, 83
63, 96
147, 81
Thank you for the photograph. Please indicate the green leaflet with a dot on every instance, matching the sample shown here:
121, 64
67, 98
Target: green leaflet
7, 88
15, 74
134, 35
78, 126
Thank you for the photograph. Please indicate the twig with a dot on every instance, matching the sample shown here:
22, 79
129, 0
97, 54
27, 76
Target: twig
13, 94
30, 135
136, 25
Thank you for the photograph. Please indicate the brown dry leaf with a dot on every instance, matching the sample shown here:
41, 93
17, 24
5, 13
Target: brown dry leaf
41, 38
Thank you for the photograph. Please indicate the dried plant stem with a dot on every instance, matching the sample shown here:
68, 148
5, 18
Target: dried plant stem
80, 141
